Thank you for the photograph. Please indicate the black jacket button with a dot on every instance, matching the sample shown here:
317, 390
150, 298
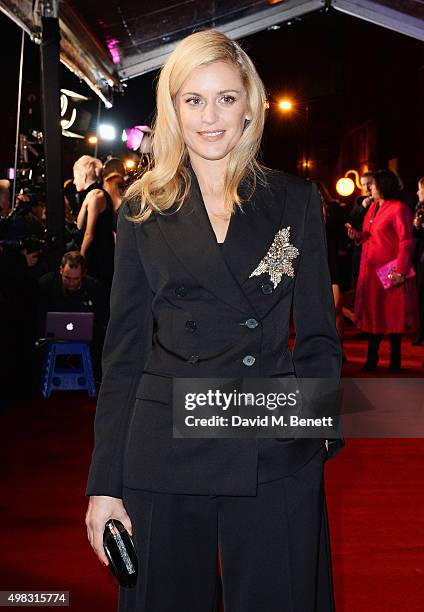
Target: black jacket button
181, 291
249, 360
251, 323
191, 325
267, 288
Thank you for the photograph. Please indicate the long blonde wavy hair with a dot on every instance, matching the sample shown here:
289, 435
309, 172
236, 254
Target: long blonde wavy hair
168, 181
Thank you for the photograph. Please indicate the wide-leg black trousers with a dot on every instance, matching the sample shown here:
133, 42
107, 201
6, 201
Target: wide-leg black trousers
274, 548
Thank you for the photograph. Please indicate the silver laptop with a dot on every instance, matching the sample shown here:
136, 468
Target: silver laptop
70, 326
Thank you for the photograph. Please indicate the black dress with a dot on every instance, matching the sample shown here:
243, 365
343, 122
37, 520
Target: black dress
339, 247
99, 255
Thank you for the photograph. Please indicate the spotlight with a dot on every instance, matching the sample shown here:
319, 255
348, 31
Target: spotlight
92, 140
345, 187
130, 164
285, 105
107, 131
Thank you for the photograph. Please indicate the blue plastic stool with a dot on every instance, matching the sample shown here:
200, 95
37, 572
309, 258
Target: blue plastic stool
67, 379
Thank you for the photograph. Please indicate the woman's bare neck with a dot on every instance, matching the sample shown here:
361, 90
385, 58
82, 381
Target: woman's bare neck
210, 175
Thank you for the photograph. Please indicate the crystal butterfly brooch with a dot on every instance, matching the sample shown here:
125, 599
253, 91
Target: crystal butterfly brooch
277, 260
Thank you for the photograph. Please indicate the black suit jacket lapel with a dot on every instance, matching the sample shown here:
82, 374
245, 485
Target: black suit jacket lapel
191, 237
250, 233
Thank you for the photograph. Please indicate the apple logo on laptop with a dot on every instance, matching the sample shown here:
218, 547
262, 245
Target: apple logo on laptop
70, 326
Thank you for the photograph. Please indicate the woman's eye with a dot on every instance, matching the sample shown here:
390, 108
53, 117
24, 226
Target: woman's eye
193, 101
228, 99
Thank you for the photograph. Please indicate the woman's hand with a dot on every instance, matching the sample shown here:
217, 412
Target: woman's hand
367, 201
100, 509
353, 233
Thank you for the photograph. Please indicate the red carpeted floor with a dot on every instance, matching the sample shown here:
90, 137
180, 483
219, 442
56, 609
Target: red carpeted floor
374, 491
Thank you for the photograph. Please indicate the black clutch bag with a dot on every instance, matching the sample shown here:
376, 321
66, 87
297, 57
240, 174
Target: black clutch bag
121, 553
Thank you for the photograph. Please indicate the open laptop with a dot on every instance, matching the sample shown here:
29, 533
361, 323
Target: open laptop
70, 326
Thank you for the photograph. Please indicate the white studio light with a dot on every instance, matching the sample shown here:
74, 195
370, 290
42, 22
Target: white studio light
107, 131
124, 136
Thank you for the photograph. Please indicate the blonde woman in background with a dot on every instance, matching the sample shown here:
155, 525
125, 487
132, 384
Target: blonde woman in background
95, 218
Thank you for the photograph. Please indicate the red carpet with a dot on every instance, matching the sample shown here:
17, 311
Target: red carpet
374, 490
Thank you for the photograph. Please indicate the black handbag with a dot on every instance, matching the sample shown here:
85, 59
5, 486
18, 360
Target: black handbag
121, 553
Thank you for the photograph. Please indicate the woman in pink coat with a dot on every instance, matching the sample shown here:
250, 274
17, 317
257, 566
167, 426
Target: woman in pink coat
386, 235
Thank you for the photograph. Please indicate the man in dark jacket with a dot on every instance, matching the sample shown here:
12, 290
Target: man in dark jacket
357, 214
72, 290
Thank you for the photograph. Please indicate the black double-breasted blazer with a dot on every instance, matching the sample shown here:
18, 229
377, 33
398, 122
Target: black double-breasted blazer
183, 307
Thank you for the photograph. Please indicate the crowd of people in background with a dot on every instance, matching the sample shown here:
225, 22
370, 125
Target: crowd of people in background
31, 286
379, 228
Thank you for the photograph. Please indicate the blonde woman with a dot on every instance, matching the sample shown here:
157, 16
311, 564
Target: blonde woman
95, 218
191, 299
